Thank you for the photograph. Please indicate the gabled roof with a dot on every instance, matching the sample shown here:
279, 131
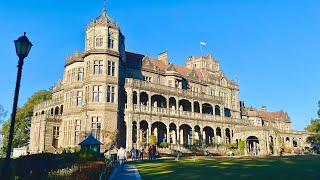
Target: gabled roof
90, 141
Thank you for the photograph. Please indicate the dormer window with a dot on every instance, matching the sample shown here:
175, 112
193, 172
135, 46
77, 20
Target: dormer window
99, 42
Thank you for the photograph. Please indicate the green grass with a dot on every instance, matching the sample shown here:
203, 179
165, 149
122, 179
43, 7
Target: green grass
298, 167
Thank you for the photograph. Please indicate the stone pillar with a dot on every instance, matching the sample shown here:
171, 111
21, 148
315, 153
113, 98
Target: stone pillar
138, 135
268, 146
138, 101
129, 99
204, 137
181, 136
168, 134
174, 141
149, 103
178, 135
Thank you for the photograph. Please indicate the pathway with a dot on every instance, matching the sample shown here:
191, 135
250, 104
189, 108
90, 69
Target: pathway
130, 172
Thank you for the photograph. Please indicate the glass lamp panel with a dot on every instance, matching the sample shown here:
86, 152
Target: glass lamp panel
18, 47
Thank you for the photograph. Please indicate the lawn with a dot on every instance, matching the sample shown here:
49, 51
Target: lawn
297, 167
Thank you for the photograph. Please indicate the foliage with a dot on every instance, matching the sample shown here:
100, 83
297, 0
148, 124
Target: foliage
109, 138
164, 144
241, 144
84, 156
62, 173
231, 146
314, 127
195, 142
153, 140
21, 134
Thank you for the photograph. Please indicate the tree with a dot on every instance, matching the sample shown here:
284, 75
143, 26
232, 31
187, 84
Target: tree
314, 127
109, 138
22, 125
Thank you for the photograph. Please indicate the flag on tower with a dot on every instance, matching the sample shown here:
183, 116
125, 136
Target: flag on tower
202, 43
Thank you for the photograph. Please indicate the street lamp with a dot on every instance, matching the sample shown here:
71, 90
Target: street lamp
23, 46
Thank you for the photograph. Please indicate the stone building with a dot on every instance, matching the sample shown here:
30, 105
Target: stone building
107, 89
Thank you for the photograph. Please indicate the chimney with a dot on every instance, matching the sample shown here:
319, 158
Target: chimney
163, 57
264, 108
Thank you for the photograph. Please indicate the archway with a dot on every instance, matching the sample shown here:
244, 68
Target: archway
197, 135
56, 110
134, 132
159, 129
208, 135
228, 135
172, 103
185, 134
144, 98
218, 134
271, 144
217, 110
158, 101
196, 107
252, 143
207, 108
143, 131
172, 133
184, 105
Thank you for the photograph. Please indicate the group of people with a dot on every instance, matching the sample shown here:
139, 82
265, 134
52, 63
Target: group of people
137, 154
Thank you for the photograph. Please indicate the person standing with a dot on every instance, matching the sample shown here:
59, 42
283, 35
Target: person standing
154, 150
141, 152
133, 153
122, 156
150, 153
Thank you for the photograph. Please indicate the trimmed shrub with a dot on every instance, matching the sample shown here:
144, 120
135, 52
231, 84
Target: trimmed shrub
164, 145
231, 146
153, 140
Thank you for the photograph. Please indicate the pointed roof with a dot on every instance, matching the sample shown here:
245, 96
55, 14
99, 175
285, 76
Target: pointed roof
103, 20
90, 141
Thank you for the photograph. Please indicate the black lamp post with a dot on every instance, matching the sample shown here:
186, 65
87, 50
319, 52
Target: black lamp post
23, 46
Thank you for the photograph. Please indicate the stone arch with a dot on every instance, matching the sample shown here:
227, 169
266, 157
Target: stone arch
159, 129
134, 132
143, 131
217, 110
51, 111
184, 105
185, 134
196, 107
294, 142
56, 110
172, 103
197, 134
158, 101
219, 135
208, 135
144, 98
207, 108
134, 97
252, 143
172, 133
228, 135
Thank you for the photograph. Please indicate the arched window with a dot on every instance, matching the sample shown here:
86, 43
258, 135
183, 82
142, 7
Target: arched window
217, 110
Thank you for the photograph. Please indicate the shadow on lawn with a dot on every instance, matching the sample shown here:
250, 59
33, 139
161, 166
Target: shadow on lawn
297, 167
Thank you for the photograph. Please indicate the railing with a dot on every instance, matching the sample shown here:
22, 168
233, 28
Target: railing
182, 114
46, 116
171, 90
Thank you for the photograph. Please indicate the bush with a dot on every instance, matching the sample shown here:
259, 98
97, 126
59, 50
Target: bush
164, 145
195, 142
241, 144
84, 156
153, 140
231, 146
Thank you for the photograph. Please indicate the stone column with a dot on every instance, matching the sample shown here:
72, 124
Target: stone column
138, 101
138, 135
174, 141
204, 137
178, 135
181, 137
268, 149
129, 99
149, 103
168, 134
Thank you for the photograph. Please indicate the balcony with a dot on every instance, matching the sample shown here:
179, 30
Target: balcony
143, 85
142, 109
45, 117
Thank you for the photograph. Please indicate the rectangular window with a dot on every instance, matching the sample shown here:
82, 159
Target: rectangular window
111, 68
97, 94
96, 126
146, 78
97, 67
77, 132
80, 74
79, 98
110, 94
111, 43
99, 42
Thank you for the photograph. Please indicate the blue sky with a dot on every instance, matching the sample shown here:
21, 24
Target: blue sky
272, 46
